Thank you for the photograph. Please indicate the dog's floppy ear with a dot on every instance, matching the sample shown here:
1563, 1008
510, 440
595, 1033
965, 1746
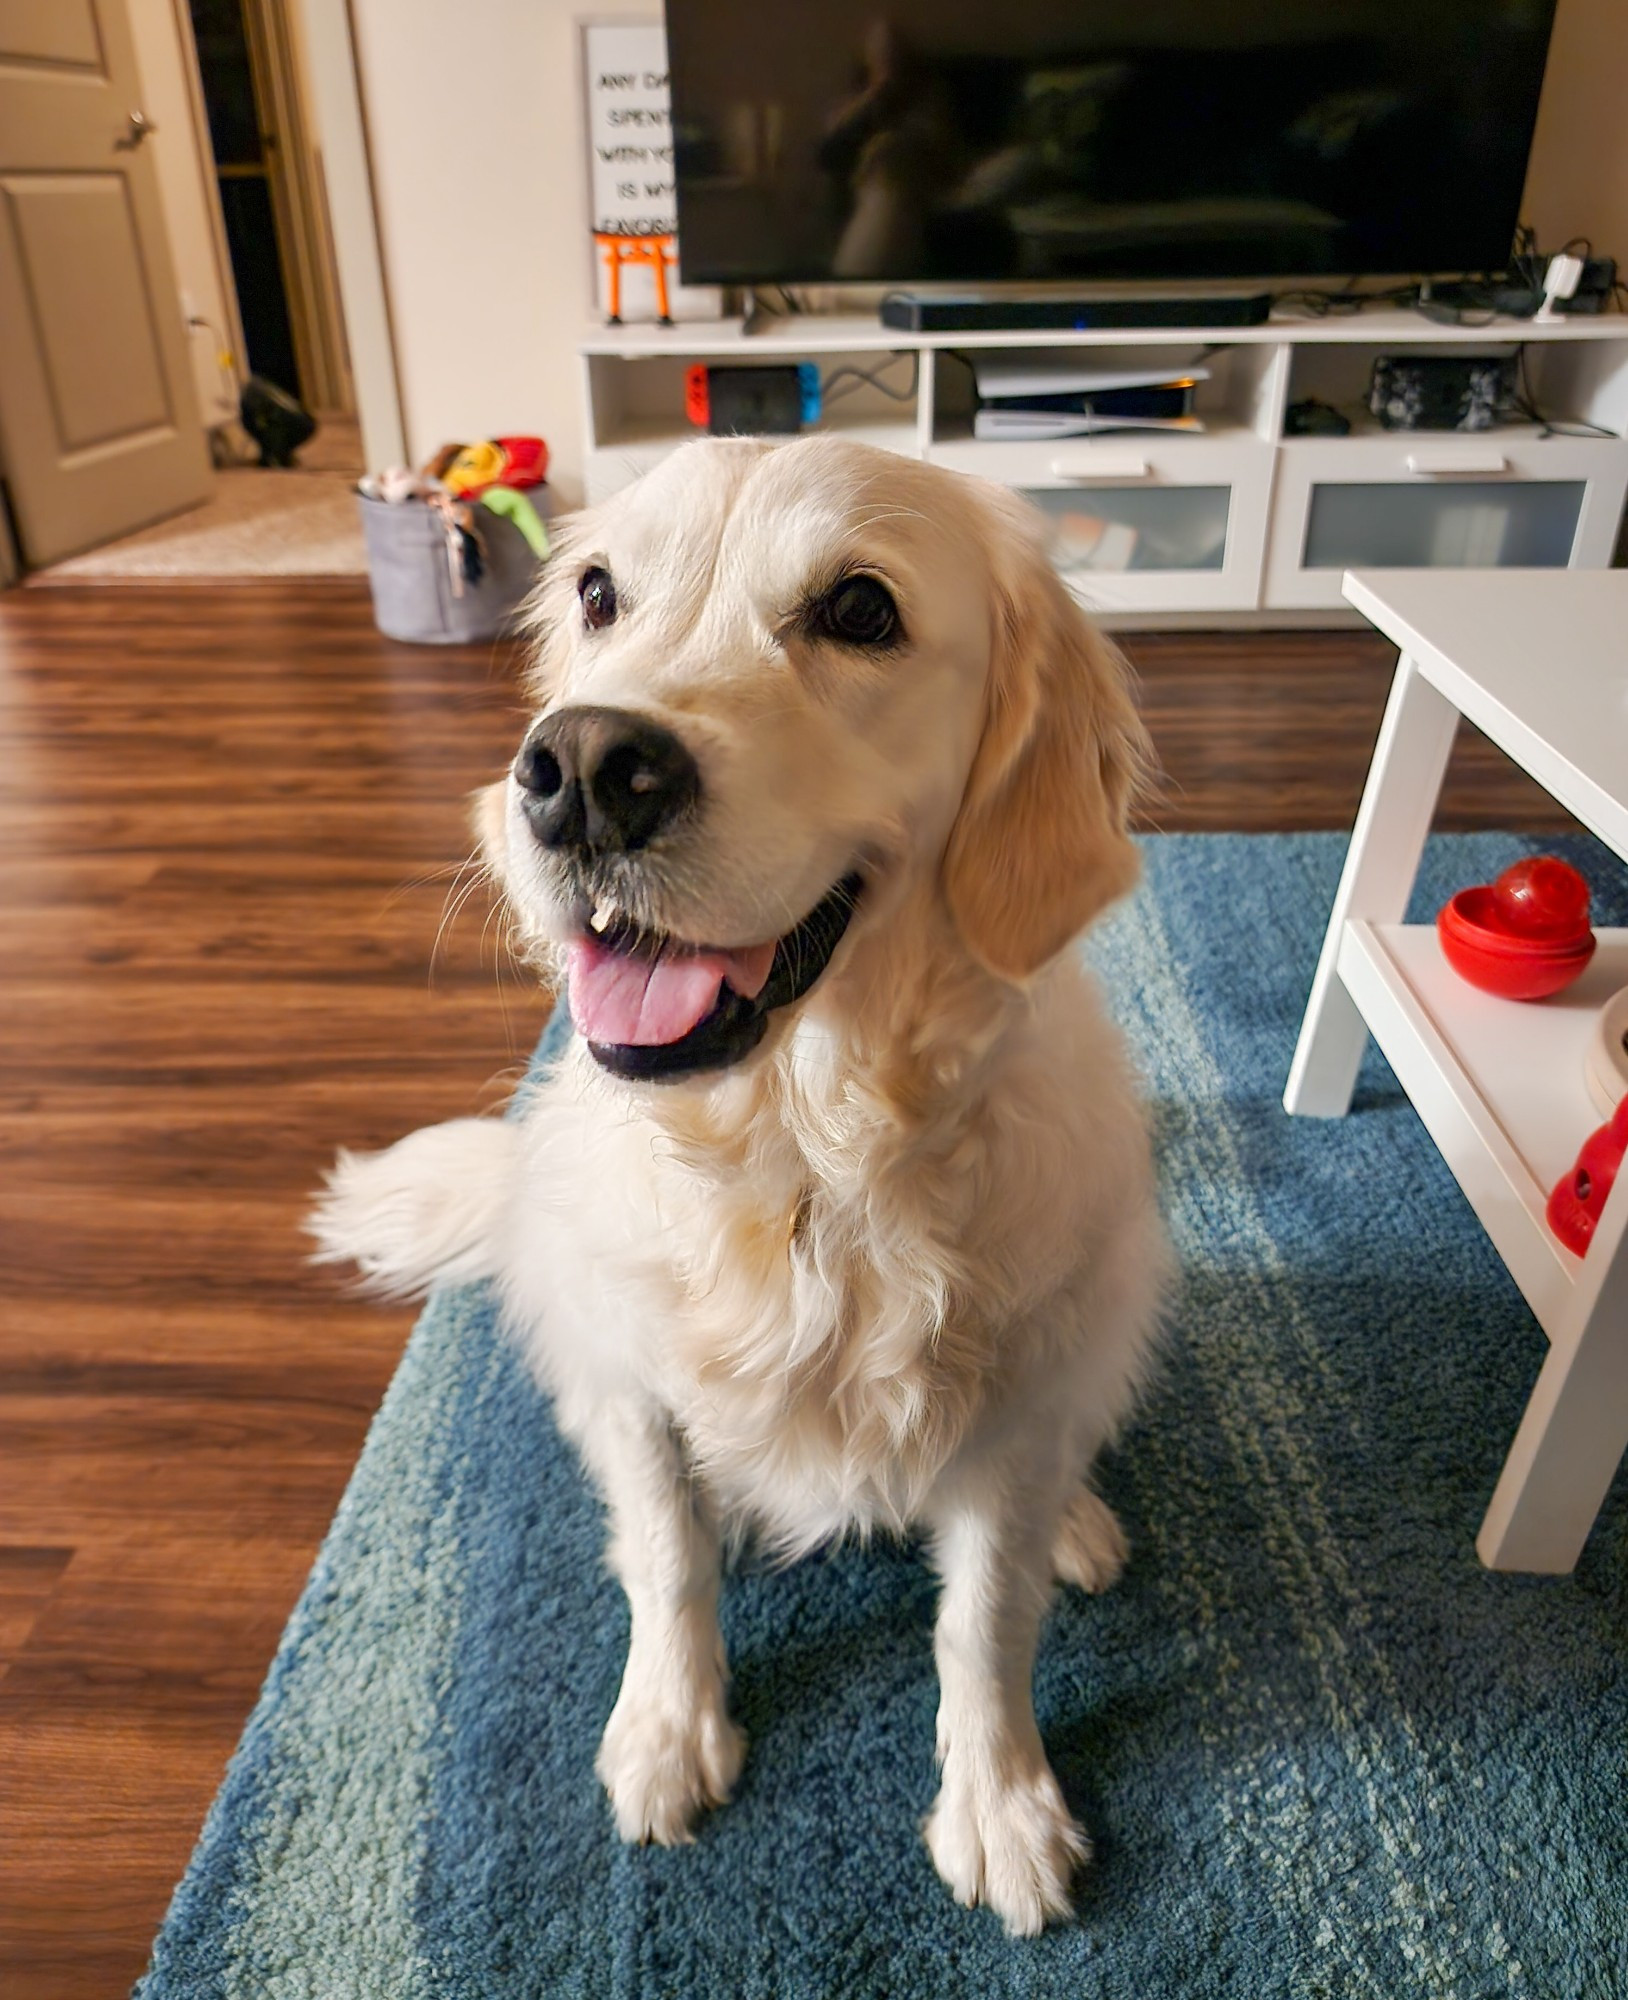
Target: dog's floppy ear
1040, 843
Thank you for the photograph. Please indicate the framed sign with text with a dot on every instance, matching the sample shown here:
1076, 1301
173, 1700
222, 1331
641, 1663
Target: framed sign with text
630, 162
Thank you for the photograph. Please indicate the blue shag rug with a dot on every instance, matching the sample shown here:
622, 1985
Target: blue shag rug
1322, 1751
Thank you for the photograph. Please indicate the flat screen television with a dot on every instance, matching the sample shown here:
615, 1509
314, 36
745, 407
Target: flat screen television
1027, 141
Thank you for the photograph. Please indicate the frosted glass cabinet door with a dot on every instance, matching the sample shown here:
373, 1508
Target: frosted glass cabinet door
1097, 529
1139, 521
1469, 524
1435, 500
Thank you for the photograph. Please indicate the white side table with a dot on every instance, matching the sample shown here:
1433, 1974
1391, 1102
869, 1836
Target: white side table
1538, 661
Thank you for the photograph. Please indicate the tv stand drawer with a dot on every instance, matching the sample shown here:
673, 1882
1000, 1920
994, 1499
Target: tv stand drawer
1141, 520
1504, 499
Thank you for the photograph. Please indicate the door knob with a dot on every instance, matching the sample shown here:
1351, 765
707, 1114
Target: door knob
138, 128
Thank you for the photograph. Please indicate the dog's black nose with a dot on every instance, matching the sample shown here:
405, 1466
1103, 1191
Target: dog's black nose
601, 778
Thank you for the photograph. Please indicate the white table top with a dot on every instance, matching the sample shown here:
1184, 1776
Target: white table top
1536, 659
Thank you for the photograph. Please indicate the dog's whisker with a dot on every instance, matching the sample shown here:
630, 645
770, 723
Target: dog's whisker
470, 878
448, 871
881, 516
449, 915
493, 928
457, 899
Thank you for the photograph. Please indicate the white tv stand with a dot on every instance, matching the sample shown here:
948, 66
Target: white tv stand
1242, 525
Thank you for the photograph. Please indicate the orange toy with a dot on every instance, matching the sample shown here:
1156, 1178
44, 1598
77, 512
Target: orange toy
656, 251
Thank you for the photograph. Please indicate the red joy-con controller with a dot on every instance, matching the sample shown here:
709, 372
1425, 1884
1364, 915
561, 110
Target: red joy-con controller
697, 402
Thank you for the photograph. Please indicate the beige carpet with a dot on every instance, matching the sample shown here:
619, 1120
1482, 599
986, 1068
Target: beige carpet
298, 522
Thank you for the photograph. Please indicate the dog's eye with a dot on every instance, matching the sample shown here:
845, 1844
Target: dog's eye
858, 611
598, 594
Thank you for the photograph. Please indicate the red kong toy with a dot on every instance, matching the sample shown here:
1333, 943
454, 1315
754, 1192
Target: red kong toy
1526, 935
1578, 1201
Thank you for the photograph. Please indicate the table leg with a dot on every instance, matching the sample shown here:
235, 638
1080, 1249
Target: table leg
1398, 804
1575, 1430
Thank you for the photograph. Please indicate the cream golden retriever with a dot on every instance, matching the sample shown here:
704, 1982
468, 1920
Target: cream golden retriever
837, 1215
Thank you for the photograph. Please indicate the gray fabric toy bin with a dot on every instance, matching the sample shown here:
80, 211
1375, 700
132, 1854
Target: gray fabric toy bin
412, 583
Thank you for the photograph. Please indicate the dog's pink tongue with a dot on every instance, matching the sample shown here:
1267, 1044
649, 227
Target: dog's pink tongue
618, 998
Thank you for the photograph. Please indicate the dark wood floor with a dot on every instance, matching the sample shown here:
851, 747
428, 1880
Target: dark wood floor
229, 821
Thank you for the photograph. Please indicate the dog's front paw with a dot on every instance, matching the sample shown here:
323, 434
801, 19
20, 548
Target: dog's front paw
1009, 1843
1090, 1546
663, 1767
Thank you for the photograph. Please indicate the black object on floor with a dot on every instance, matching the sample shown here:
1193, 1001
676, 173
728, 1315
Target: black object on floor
276, 422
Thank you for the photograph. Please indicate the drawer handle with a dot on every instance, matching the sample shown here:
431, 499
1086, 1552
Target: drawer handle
1108, 465
1446, 461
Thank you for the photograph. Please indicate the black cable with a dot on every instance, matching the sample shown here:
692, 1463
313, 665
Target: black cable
1313, 303
1440, 314
1527, 268
857, 378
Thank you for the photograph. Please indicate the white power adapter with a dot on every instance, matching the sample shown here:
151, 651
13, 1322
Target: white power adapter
1560, 281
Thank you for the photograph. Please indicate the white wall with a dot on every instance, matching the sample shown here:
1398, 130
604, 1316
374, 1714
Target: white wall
474, 120
474, 123
167, 61
1578, 182
347, 179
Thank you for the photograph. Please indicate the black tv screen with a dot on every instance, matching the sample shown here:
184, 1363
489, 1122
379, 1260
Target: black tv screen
1038, 140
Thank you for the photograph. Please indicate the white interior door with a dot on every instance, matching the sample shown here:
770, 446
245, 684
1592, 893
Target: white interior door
99, 427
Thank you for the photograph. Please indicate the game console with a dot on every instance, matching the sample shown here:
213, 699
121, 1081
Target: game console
1441, 392
1046, 394
771, 400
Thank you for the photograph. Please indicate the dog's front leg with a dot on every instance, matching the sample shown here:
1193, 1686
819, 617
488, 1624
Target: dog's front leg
999, 1832
670, 1748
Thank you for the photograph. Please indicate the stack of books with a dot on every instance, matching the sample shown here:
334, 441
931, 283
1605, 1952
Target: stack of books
1045, 395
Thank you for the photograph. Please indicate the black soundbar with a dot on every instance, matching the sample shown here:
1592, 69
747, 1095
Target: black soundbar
910, 313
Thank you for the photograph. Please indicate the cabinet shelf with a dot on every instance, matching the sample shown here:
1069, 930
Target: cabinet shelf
831, 333
1498, 1083
1526, 1057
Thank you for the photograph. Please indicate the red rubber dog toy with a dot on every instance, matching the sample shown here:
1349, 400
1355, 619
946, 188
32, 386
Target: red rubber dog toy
1578, 1201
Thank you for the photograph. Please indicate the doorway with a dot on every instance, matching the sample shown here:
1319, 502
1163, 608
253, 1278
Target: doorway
107, 99
268, 174
237, 134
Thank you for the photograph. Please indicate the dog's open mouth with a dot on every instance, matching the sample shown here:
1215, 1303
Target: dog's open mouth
651, 1007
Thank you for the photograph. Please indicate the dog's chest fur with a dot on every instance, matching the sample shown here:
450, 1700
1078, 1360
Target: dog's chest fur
820, 1367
